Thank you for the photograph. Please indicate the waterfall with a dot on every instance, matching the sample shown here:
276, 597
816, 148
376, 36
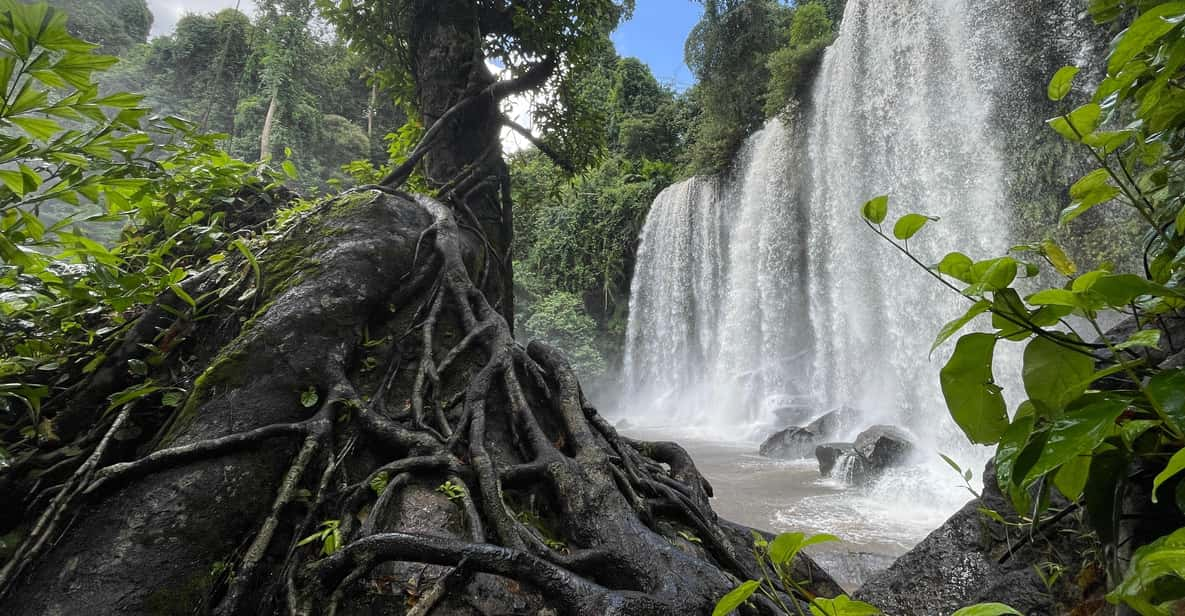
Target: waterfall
764, 290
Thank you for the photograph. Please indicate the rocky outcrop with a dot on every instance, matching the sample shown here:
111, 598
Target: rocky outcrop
972, 559
799, 442
829, 454
883, 446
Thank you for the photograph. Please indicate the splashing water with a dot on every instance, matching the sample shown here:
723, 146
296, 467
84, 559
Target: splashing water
764, 290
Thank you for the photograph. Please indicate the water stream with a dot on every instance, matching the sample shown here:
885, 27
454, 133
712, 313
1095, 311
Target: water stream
763, 289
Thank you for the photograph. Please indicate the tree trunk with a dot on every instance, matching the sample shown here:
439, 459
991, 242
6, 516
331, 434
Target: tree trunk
466, 157
265, 135
376, 392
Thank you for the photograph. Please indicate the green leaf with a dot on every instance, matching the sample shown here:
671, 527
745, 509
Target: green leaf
1168, 389
1071, 478
1143, 586
876, 209
842, 606
1148, 28
975, 401
379, 483
994, 274
308, 397
954, 326
1062, 263
1176, 465
1078, 123
987, 609
37, 128
1075, 434
289, 169
956, 265
785, 546
1054, 374
734, 599
1055, 297
908, 226
1106, 469
130, 394
1062, 82
1143, 339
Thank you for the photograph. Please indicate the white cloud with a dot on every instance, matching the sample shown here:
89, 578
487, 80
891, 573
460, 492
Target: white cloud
165, 13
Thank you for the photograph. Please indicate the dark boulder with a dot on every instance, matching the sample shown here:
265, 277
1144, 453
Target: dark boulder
828, 454
883, 446
789, 444
972, 559
834, 422
800, 442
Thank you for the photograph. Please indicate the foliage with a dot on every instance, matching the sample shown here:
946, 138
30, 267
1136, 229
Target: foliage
515, 36
559, 318
115, 25
792, 67
728, 51
579, 235
329, 535
71, 156
221, 69
1077, 433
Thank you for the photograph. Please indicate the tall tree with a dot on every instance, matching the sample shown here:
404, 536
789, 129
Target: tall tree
114, 25
332, 416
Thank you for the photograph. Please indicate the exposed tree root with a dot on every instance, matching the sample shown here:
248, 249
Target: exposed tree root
461, 460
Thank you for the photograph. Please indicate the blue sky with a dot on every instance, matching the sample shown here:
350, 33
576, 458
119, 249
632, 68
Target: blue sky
655, 34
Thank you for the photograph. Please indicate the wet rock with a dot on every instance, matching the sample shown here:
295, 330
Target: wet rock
883, 446
789, 444
828, 454
833, 422
972, 559
799, 442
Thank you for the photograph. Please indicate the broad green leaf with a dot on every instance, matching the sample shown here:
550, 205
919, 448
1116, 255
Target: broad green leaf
1168, 389
957, 266
1176, 465
1006, 454
1062, 263
1055, 374
1055, 297
1142, 586
289, 169
1075, 434
1071, 478
734, 599
975, 401
876, 209
994, 274
11, 253
1132, 430
131, 394
785, 546
908, 226
1144, 31
954, 326
1119, 290
1062, 82
987, 609
1078, 123
1106, 467
1143, 339
842, 606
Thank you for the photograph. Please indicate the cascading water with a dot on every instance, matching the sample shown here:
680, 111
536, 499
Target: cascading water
807, 305
765, 289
